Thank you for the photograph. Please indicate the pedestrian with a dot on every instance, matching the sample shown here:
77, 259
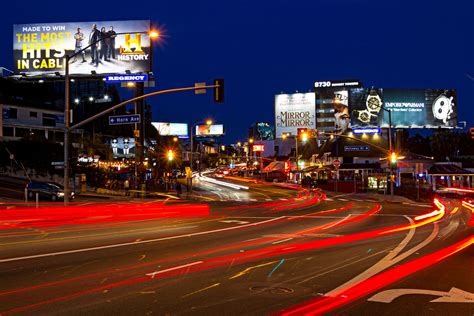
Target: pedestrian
178, 189
126, 186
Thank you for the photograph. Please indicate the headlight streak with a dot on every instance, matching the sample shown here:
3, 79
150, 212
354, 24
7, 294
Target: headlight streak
217, 262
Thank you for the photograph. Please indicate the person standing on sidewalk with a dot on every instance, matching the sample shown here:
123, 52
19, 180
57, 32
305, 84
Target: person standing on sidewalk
126, 186
178, 189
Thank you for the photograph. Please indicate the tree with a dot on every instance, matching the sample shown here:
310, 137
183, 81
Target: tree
444, 144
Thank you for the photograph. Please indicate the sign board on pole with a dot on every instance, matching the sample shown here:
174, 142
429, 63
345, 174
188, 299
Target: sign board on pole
200, 91
336, 163
127, 78
124, 119
258, 148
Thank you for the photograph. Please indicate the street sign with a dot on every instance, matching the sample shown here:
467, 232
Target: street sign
200, 91
127, 78
124, 119
336, 163
356, 148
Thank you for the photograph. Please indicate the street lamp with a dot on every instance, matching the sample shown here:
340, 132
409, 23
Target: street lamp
67, 81
208, 123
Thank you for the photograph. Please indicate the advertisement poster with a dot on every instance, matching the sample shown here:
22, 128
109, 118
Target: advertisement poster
123, 147
410, 108
210, 130
117, 47
171, 129
264, 131
293, 111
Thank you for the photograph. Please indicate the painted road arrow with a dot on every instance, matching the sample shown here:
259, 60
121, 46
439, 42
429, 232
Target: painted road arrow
453, 296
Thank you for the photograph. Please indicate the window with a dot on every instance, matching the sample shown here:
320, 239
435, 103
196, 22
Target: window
7, 131
49, 120
13, 113
33, 114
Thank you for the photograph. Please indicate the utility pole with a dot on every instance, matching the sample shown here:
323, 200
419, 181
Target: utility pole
139, 133
66, 132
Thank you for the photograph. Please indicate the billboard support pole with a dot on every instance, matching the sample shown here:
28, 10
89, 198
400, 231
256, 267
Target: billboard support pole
66, 132
390, 148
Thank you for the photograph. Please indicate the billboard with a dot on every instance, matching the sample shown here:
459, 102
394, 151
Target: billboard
293, 111
171, 129
121, 46
332, 104
210, 130
410, 108
123, 147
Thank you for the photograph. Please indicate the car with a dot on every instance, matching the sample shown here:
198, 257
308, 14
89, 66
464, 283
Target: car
46, 190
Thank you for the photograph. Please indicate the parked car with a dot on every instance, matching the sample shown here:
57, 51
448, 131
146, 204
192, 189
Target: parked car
46, 190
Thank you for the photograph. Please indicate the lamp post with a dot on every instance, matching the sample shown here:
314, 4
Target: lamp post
67, 80
208, 123
390, 147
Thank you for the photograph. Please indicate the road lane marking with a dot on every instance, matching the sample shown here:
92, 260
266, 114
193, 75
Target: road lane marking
137, 242
247, 270
201, 290
230, 221
453, 296
389, 260
152, 274
281, 241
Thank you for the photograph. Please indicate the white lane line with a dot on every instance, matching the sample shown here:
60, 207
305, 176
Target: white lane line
253, 200
329, 199
280, 241
389, 260
283, 199
268, 200
152, 274
345, 200
138, 242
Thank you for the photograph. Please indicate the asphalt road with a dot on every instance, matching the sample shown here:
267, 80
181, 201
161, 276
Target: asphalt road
256, 251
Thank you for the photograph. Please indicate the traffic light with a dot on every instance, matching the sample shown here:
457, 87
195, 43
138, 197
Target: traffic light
219, 90
472, 132
303, 134
393, 160
170, 154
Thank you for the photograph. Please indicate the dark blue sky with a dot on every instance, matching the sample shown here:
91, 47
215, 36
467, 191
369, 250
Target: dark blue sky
264, 47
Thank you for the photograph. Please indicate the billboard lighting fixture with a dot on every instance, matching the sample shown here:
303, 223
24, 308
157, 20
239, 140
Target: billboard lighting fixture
106, 97
57, 74
72, 80
41, 81
76, 100
373, 130
128, 72
93, 72
154, 34
91, 99
376, 136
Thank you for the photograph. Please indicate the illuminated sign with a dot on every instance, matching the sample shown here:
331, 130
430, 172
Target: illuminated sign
369, 130
210, 130
293, 111
409, 108
258, 148
117, 47
171, 129
337, 84
127, 78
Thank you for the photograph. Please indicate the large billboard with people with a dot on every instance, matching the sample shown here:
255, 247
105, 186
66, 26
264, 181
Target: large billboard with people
293, 111
115, 47
409, 108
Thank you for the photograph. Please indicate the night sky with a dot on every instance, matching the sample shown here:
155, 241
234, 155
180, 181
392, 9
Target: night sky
262, 48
